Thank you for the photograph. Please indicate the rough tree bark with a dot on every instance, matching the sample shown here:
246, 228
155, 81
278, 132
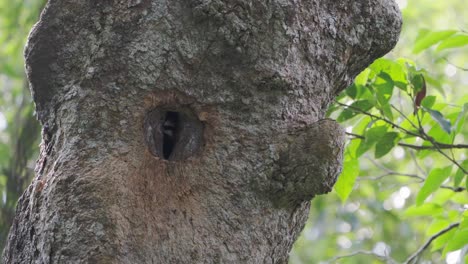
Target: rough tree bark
187, 131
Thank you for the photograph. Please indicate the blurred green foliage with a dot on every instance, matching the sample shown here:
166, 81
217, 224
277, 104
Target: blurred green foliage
19, 130
404, 179
402, 196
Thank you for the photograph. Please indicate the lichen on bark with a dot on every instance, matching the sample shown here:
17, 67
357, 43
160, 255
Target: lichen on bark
259, 75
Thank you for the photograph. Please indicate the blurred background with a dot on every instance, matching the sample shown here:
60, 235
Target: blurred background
19, 130
374, 221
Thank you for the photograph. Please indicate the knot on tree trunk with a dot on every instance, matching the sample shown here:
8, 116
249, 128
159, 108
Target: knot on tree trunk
308, 163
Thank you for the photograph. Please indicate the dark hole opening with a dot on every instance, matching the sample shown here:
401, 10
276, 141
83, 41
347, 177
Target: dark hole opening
170, 133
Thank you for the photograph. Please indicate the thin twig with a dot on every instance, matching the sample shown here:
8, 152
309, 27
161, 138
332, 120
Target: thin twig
411, 259
438, 148
415, 147
454, 65
355, 135
420, 179
422, 134
404, 116
415, 160
363, 252
454, 189
379, 118
390, 172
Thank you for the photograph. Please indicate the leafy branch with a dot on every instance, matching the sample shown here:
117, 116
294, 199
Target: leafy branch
379, 95
456, 66
358, 110
389, 172
415, 256
438, 146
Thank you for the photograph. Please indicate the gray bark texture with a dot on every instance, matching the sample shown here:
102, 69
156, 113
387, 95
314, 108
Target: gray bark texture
187, 131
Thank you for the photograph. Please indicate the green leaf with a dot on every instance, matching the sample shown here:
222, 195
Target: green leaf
345, 183
443, 122
464, 222
460, 198
363, 147
386, 111
371, 135
424, 210
385, 144
442, 240
427, 39
352, 91
363, 105
436, 131
352, 147
436, 226
459, 175
375, 133
466, 183
362, 78
384, 88
453, 42
459, 240
395, 70
418, 82
435, 178
428, 101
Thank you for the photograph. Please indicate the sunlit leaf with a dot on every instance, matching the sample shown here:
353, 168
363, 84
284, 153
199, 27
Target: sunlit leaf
352, 147
436, 226
460, 198
436, 131
345, 183
459, 175
428, 101
466, 183
435, 178
424, 210
393, 69
459, 240
453, 42
428, 39
442, 240
362, 78
464, 222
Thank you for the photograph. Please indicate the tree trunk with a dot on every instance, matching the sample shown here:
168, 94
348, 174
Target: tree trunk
187, 131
